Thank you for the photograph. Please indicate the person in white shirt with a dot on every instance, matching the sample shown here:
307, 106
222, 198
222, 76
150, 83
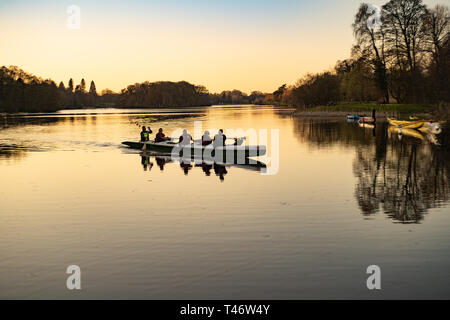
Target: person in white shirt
185, 138
206, 139
219, 139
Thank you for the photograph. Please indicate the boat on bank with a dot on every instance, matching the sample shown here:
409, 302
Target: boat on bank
369, 120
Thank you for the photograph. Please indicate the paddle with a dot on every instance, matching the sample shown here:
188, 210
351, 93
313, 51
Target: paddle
240, 140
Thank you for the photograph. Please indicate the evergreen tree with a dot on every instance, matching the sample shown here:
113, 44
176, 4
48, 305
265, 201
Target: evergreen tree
70, 88
83, 85
93, 89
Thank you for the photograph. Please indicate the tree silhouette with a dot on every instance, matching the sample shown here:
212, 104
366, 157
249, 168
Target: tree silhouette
82, 86
70, 85
92, 89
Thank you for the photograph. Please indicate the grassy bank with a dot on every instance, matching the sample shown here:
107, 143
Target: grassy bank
383, 110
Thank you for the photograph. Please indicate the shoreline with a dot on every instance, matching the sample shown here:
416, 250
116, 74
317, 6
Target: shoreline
335, 114
382, 111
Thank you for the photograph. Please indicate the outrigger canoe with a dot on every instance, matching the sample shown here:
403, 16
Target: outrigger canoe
406, 124
222, 154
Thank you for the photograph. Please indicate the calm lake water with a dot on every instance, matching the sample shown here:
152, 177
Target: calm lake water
139, 226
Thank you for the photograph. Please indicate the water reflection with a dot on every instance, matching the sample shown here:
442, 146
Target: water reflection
404, 174
78, 129
148, 159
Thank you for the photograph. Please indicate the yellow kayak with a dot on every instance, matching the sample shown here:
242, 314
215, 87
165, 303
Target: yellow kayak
406, 124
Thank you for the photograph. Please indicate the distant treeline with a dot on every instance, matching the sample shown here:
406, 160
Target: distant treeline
401, 53
163, 95
23, 92
20, 91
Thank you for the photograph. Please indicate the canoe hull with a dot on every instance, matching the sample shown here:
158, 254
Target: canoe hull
237, 154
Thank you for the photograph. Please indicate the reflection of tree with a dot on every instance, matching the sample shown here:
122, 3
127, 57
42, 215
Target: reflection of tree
403, 177
406, 180
17, 149
322, 133
10, 152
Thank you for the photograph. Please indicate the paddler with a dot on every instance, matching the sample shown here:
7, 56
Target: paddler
185, 138
160, 136
145, 134
219, 139
206, 139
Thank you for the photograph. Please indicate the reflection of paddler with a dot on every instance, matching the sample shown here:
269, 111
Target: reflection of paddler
206, 169
160, 162
146, 164
220, 171
186, 167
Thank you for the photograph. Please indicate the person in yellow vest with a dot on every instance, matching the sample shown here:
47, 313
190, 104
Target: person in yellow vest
145, 134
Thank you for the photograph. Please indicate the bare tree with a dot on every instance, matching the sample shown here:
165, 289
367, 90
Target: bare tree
437, 33
371, 42
403, 23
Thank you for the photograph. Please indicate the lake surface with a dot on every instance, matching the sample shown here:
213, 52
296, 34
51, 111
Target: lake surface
140, 226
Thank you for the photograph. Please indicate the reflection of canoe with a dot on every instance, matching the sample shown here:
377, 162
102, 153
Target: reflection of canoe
225, 153
249, 164
367, 125
407, 132
406, 124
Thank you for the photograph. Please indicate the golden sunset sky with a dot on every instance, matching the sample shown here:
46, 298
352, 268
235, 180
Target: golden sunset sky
223, 45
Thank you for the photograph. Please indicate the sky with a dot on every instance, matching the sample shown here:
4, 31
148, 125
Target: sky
224, 45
